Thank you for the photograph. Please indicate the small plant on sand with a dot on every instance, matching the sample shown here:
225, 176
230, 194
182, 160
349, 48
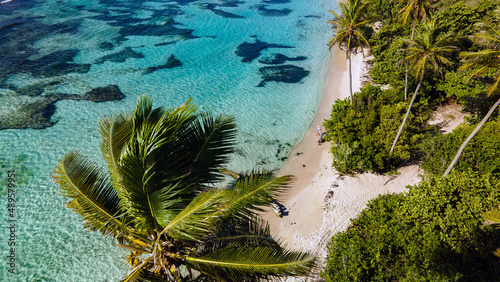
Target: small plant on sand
160, 200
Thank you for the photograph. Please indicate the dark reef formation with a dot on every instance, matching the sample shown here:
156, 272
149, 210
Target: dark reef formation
283, 73
121, 56
213, 7
35, 112
251, 51
278, 59
172, 62
272, 12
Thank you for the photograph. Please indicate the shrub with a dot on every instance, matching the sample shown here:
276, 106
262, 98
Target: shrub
433, 233
481, 154
363, 134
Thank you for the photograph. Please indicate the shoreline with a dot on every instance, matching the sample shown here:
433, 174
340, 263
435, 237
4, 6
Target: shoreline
307, 159
319, 202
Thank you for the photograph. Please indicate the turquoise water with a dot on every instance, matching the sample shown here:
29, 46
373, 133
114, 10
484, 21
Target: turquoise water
129, 44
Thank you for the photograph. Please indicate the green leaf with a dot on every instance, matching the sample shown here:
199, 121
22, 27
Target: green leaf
253, 192
195, 221
93, 196
115, 133
243, 263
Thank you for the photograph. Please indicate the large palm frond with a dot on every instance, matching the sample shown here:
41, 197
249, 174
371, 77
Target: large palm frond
253, 192
146, 192
250, 231
115, 133
249, 263
209, 141
195, 220
484, 59
416, 10
93, 196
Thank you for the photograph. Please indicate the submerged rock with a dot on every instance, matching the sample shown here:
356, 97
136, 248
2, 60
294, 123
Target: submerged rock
278, 59
35, 112
213, 7
251, 51
272, 12
172, 62
121, 56
106, 46
103, 94
277, 1
284, 73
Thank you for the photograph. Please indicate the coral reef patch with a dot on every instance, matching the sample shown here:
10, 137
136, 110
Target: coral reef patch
36, 112
251, 51
172, 62
283, 73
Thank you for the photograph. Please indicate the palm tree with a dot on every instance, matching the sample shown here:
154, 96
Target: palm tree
417, 10
349, 27
483, 59
493, 218
425, 51
160, 199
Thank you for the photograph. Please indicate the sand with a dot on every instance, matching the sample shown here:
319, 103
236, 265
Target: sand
320, 203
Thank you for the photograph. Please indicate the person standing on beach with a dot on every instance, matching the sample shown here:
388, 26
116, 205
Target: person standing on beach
318, 131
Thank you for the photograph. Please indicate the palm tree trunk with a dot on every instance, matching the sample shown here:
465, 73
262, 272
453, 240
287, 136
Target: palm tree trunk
408, 64
350, 74
460, 151
406, 116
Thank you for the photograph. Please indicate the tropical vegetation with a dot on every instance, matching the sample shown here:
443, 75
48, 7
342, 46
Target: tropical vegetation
436, 230
426, 51
166, 198
417, 10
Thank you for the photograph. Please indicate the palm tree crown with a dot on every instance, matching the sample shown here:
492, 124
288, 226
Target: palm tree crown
416, 10
161, 201
350, 25
484, 59
425, 51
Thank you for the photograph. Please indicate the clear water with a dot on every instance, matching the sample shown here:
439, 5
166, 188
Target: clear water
50, 242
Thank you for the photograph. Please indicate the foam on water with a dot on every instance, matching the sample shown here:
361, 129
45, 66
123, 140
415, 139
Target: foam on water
51, 244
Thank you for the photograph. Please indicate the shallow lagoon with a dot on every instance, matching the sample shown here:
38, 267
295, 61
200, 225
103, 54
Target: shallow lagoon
169, 50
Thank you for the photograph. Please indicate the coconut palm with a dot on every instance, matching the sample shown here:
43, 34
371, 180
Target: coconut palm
349, 30
481, 60
418, 10
493, 218
425, 51
160, 199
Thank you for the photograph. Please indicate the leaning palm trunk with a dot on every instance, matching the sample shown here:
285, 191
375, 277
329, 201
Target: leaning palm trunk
350, 74
406, 80
406, 116
408, 65
457, 156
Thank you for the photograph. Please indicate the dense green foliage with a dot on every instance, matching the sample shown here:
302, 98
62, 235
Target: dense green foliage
363, 133
433, 233
481, 155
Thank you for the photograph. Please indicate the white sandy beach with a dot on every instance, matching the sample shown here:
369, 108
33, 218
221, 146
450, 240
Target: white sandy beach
320, 203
